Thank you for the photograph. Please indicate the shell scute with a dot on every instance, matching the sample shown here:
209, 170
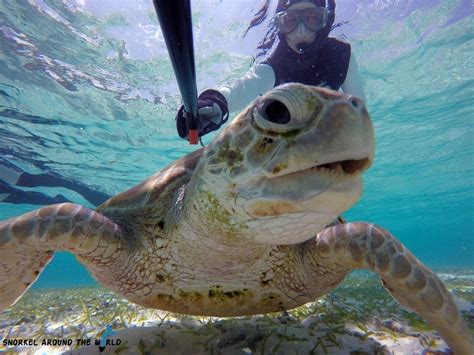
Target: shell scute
150, 190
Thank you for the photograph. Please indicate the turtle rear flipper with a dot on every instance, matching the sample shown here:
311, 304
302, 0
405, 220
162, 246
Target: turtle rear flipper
27, 244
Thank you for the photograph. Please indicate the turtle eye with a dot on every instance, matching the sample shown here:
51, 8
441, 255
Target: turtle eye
286, 108
274, 111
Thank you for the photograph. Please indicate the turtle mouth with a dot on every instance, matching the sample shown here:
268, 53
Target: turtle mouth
344, 167
348, 168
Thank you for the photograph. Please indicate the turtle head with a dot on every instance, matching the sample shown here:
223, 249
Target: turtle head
286, 166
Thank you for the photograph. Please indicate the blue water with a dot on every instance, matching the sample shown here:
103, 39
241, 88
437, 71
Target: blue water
87, 91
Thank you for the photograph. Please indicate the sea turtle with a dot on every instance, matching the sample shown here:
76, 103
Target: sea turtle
242, 226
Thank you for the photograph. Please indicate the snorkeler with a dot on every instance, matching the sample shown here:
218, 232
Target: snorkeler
11, 176
304, 54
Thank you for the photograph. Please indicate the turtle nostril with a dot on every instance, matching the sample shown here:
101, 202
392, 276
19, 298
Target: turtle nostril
275, 111
356, 102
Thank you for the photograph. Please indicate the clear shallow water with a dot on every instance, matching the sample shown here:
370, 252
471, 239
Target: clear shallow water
87, 91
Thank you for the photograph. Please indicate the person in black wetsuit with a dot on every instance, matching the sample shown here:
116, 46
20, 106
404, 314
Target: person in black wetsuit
305, 54
11, 176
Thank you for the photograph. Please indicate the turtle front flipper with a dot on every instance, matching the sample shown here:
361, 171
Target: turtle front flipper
27, 244
350, 246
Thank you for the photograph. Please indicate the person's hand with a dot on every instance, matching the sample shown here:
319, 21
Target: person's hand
212, 113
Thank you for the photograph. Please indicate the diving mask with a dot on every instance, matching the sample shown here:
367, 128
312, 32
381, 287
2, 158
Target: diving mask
313, 19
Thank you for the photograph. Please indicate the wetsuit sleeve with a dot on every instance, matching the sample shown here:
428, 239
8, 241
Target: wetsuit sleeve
257, 81
353, 83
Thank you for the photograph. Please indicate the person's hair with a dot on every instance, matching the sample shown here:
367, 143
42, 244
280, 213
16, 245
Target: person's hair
285, 4
272, 33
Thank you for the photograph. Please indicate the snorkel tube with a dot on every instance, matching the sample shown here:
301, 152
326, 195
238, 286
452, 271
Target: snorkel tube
176, 24
323, 33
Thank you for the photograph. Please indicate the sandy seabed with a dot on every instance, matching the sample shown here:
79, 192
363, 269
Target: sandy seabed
359, 317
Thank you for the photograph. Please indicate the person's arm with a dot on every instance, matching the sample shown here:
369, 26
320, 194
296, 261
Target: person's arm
214, 105
353, 83
257, 81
